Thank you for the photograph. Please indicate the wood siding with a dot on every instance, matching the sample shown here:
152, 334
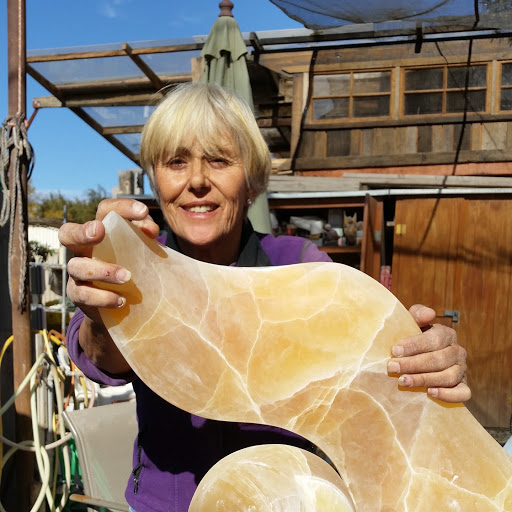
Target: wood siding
399, 139
456, 254
440, 142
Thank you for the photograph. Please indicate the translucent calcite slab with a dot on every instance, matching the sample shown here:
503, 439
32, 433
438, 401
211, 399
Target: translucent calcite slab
303, 347
273, 478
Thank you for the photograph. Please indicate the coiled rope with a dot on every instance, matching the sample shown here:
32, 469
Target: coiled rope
15, 152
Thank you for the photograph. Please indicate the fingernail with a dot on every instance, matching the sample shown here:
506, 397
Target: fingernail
123, 275
138, 207
90, 230
397, 351
121, 302
393, 367
405, 381
433, 392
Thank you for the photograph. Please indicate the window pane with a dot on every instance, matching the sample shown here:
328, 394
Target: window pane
455, 101
371, 106
416, 104
372, 82
457, 77
506, 99
334, 108
506, 74
421, 79
331, 85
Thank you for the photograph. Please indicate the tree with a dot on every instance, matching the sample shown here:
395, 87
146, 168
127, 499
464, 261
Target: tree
495, 5
56, 206
39, 252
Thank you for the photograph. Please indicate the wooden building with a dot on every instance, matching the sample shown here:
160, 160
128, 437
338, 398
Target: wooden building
414, 134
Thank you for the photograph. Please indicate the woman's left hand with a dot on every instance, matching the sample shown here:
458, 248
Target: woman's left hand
433, 359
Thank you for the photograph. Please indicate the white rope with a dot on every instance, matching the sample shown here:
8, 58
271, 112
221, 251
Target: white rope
15, 151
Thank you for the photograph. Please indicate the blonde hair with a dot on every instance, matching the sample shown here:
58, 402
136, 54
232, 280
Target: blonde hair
205, 113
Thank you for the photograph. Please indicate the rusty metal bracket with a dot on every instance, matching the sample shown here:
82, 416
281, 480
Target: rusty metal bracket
453, 313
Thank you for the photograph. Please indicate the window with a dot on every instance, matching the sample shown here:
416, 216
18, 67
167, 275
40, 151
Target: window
444, 90
438, 90
352, 95
506, 86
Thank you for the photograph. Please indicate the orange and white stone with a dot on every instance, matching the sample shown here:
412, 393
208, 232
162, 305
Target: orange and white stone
272, 478
303, 347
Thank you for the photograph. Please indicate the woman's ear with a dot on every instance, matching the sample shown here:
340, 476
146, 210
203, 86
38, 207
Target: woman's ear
251, 197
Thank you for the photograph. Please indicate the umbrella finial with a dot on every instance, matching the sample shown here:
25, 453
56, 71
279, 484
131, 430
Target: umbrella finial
225, 8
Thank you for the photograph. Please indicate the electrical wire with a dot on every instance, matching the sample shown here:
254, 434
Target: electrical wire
35, 378
7, 343
46, 461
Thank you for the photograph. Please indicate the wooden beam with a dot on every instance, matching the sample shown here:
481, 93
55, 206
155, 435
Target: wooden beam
445, 119
98, 54
423, 159
139, 62
97, 127
100, 100
412, 180
273, 122
47, 102
43, 81
91, 54
140, 84
298, 106
279, 183
113, 130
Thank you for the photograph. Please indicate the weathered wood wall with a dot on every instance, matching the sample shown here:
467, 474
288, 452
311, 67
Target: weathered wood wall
456, 254
408, 141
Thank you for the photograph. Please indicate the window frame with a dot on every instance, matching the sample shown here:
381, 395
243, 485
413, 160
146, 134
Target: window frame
444, 91
351, 96
500, 87
397, 95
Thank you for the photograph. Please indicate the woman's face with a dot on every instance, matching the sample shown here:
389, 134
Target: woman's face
204, 198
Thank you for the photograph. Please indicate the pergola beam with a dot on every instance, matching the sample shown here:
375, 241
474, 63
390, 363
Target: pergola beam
139, 62
98, 128
107, 100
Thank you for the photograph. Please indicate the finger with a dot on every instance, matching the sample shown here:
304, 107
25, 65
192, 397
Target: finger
428, 363
459, 393
422, 315
436, 338
81, 238
128, 208
148, 226
88, 269
448, 378
87, 296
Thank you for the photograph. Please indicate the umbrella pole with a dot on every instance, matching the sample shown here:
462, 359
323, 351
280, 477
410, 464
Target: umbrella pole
22, 354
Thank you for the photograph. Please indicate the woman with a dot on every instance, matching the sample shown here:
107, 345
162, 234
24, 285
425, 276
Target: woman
207, 161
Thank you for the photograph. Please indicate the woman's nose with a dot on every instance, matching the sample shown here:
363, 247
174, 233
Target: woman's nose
198, 174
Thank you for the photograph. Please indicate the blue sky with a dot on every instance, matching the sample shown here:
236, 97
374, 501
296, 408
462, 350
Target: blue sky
70, 156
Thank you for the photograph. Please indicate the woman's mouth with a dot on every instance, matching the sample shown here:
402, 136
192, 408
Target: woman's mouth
204, 208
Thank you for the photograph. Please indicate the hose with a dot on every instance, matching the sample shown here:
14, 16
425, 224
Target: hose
61, 437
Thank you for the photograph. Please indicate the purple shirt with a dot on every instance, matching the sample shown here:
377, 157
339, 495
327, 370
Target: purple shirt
175, 449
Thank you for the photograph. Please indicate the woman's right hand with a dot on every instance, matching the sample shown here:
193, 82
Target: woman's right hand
83, 270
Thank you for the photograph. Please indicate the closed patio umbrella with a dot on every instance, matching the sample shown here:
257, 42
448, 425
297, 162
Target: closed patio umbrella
225, 64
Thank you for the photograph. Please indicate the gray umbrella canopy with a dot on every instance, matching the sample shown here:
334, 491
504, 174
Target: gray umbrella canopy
225, 64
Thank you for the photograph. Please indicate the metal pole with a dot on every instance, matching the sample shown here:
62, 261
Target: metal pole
22, 346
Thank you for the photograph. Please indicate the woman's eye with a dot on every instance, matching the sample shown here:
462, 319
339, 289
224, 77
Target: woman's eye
176, 163
218, 162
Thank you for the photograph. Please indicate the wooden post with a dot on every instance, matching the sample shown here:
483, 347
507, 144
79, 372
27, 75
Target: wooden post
22, 345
